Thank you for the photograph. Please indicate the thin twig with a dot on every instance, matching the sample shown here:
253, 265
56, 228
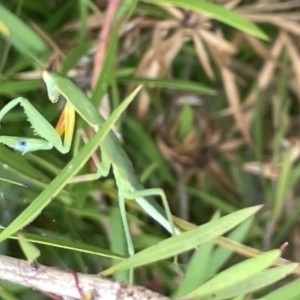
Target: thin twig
69, 284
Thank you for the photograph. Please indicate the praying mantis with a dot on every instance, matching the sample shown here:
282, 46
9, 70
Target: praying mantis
112, 154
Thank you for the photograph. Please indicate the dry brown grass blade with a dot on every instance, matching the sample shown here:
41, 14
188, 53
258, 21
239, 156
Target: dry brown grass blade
279, 118
258, 46
267, 170
234, 101
57, 55
94, 21
173, 11
217, 42
156, 62
231, 4
216, 169
139, 22
149, 64
231, 145
142, 104
270, 18
286, 21
294, 145
295, 60
162, 28
229, 148
165, 50
203, 56
167, 152
290, 26
232, 157
266, 75
268, 6
172, 47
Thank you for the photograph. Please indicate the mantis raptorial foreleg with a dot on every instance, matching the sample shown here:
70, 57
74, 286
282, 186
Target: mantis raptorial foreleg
51, 138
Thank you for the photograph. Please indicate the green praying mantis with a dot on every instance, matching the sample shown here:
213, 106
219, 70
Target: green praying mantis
112, 154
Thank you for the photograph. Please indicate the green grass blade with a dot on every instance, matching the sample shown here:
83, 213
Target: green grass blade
139, 136
83, 16
286, 292
63, 243
13, 88
282, 186
260, 280
216, 12
25, 172
20, 35
213, 200
185, 241
5, 295
177, 84
117, 241
107, 71
12, 182
221, 255
236, 274
194, 276
126, 8
30, 251
71, 169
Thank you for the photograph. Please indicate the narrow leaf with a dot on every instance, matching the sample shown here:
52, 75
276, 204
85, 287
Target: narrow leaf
31, 251
260, 280
20, 34
236, 274
185, 241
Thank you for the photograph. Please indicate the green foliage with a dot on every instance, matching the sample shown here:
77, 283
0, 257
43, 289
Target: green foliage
215, 126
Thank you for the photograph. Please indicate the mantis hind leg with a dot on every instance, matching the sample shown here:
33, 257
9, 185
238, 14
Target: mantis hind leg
149, 207
138, 196
126, 229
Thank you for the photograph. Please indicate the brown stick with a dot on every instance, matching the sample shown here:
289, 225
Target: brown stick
69, 284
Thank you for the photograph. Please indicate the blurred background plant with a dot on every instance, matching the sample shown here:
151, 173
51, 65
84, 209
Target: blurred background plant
217, 125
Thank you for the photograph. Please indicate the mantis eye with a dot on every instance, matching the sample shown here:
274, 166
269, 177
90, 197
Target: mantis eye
21, 145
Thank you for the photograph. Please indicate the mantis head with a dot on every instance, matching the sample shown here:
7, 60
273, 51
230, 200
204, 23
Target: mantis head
53, 93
